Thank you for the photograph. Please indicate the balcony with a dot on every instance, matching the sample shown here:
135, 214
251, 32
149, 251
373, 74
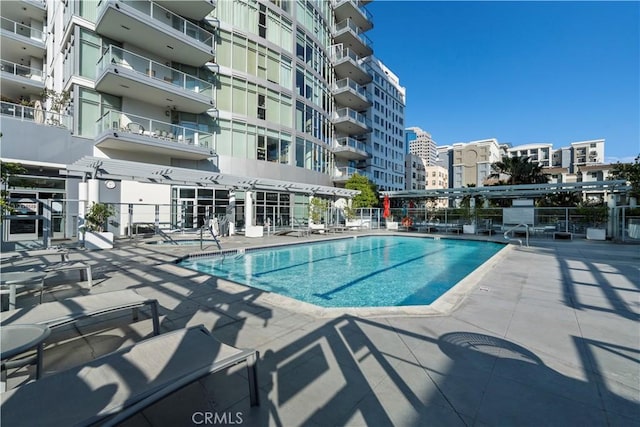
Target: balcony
131, 133
195, 9
120, 72
19, 79
341, 175
351, 9
350, 35
348, 93
347, 65
350, 122
35, 115
159, 30
350, 149
21, 40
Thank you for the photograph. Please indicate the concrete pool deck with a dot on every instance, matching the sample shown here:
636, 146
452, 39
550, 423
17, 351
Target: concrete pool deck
548, 335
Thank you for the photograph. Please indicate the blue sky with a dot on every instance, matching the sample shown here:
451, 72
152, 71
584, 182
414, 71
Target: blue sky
520, 72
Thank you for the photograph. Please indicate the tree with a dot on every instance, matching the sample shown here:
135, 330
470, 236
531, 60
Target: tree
97, 216
630, 172
59, 100
6, 170
520, 170
368, 196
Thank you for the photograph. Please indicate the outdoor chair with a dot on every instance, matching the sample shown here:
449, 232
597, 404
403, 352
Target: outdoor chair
59, 313
116, 386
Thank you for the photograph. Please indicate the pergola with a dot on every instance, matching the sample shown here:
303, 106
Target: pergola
103, 168
513, 191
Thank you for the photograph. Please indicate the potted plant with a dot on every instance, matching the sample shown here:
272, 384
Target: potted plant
317, 208
95, 236
596, 218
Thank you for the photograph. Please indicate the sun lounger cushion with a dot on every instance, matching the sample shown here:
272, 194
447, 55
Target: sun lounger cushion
124, 382
58, 313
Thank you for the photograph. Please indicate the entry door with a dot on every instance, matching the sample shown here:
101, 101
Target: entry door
187, 214
23, 223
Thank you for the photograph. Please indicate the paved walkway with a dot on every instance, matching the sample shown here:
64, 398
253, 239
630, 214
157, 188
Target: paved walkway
548, 336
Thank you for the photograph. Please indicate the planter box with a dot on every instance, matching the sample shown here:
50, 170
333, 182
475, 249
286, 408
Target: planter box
98, 240
392, 225
596, 234
469, 229
254, 231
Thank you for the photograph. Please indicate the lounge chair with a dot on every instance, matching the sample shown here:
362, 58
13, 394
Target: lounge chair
118, 385
58, 313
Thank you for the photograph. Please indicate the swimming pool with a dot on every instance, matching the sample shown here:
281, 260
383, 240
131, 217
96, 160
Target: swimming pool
371, 271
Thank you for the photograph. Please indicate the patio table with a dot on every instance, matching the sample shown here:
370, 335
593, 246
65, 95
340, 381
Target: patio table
17, 339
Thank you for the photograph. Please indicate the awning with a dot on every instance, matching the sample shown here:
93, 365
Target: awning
103, 168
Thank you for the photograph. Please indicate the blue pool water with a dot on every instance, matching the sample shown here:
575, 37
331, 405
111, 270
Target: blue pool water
373, 271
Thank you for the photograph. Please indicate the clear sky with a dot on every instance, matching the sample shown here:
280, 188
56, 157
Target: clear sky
520, 72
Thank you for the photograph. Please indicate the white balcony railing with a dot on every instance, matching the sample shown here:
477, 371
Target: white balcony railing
165, 17
130, 123
348, 113
21, 29
155, 70
20, 70
347, 172
363, 10
351, 142
348, 83
36, 115
348, 24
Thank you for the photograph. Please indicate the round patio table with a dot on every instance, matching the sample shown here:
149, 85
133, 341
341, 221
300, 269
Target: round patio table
17, 339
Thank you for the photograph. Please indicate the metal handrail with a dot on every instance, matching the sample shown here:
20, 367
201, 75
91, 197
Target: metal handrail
526, 230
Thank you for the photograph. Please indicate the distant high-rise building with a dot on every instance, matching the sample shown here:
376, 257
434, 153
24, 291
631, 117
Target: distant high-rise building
421, 144
415, 177
472, 161
386, 167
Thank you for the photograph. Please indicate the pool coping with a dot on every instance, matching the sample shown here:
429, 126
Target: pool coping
444, 305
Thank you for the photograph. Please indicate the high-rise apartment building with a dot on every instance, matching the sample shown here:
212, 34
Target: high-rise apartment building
386, 167
277, 90
421, 144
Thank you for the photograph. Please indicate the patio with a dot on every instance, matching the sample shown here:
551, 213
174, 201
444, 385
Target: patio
549, 336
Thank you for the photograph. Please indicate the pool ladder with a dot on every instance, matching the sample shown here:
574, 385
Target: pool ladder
526, 233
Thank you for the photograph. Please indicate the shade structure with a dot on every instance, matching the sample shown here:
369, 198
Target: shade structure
387, 207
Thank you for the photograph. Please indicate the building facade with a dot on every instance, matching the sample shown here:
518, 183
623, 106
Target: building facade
415, 175
472, 161
421, 144
277, 90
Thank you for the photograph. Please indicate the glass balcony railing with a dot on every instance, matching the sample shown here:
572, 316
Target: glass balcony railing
21, 29
348, 83
350, 142
20, 70
364, 11
36, 115
130, 123
348, 113
347, 172
165, 17
348, 24
155, 70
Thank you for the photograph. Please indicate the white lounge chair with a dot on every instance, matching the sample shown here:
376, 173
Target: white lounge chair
116, 386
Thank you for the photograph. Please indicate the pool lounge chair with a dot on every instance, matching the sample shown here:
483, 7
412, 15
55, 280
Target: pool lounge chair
59, 313
116, 386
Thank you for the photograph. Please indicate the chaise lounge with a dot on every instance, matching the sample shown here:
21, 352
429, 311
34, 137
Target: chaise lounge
116, 386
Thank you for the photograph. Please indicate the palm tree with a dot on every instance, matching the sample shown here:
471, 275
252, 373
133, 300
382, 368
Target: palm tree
520, 170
